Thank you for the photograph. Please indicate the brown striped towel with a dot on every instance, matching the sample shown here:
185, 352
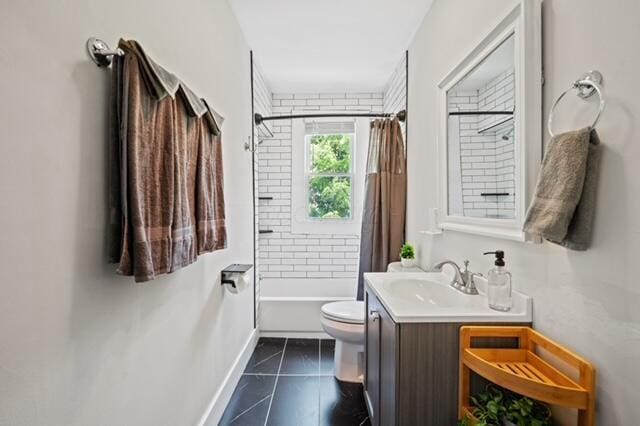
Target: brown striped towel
167, 184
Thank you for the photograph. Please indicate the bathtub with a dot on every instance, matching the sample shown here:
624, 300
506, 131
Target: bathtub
291, 307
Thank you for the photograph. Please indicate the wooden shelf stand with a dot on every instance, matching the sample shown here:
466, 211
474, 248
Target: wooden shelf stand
524, 371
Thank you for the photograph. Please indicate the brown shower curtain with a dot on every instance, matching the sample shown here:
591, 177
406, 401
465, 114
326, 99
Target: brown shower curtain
383, 214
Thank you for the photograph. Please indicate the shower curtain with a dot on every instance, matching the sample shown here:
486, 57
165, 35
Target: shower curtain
384, 209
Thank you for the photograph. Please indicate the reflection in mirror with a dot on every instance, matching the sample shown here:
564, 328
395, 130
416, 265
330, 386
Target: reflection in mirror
481, 138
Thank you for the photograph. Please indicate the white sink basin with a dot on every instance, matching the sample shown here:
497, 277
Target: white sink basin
428, 297
421, 292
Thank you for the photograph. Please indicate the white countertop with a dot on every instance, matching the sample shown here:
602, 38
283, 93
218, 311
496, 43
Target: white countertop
428, 297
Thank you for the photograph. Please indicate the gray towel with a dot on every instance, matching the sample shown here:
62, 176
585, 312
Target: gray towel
563, 206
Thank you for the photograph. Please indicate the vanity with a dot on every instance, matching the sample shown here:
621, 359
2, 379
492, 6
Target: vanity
489, 147
412, 344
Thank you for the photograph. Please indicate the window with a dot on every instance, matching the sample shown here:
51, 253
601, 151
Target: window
329, 170
327, 174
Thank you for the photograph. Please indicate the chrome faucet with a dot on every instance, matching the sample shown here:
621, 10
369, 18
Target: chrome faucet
463, 280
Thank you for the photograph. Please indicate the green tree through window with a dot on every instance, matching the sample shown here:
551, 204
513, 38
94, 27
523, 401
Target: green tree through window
329, 169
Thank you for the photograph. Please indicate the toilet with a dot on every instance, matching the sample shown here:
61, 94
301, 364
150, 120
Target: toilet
344, 321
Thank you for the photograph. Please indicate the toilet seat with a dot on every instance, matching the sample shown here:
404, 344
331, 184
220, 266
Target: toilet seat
350, 312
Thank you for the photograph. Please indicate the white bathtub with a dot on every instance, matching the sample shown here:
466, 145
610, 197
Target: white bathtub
291, 307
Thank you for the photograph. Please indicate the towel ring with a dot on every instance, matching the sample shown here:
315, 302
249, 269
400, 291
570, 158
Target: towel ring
586, 86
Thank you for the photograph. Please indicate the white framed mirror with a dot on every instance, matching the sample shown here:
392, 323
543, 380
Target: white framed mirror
490, 137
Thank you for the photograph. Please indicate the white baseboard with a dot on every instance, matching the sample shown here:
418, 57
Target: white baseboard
296, 334
219, 402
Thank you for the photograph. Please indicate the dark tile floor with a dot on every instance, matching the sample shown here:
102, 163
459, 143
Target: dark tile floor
290, 382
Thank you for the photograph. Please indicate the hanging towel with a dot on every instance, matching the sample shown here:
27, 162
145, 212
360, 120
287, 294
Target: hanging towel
563, 206
167, 192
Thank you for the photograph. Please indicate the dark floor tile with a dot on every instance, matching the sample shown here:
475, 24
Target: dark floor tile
295, 402
250, 401
301, 356
266, 356
327, 348
342, 403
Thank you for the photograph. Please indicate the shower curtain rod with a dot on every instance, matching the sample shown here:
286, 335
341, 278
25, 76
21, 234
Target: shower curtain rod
481, 113
259, 119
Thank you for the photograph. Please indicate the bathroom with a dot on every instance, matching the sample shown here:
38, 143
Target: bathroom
239, 335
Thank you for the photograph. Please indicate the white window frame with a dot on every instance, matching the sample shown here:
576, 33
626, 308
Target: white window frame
309, 174
301, 223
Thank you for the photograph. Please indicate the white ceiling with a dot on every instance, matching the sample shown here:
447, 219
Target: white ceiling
328, 45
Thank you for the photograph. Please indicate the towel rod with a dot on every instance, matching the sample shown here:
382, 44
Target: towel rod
587, 85
100, 52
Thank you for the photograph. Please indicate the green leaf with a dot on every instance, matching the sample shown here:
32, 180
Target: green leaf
407, 252
330, 197
330, 154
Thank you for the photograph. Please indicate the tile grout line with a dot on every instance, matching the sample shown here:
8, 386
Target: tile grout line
249, 409
275, 383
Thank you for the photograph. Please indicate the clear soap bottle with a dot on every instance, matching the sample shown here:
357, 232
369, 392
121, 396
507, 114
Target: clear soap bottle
499, 284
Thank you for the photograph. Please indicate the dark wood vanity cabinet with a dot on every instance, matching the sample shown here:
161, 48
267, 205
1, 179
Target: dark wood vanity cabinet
380, 363
411, 369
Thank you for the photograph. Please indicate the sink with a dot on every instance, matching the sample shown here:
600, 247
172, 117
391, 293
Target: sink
422, 291
429, 297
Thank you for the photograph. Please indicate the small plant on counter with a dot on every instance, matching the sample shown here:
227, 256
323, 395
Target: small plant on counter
408, 256
499, 407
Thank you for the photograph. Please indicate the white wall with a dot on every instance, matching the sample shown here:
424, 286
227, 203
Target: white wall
586, 300
80, 345
284, 253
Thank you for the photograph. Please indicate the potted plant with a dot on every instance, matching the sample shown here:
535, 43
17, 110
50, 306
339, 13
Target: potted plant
408, 256
498, 407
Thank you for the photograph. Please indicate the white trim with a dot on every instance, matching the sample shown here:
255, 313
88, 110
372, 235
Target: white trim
523, 22
216, 407
296, 334
485, 231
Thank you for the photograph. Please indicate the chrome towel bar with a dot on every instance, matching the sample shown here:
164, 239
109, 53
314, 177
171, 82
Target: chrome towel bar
100, 52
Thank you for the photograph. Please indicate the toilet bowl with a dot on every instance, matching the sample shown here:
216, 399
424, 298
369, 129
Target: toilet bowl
344, 321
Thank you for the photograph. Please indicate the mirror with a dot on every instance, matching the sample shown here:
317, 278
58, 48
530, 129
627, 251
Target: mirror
490, 133
481, 140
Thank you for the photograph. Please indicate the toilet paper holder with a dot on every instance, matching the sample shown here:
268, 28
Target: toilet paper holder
235, 269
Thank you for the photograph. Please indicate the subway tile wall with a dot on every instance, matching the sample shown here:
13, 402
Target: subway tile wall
487, 158
284, 254
395, 93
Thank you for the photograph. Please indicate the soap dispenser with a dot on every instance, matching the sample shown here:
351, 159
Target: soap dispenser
499, 284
